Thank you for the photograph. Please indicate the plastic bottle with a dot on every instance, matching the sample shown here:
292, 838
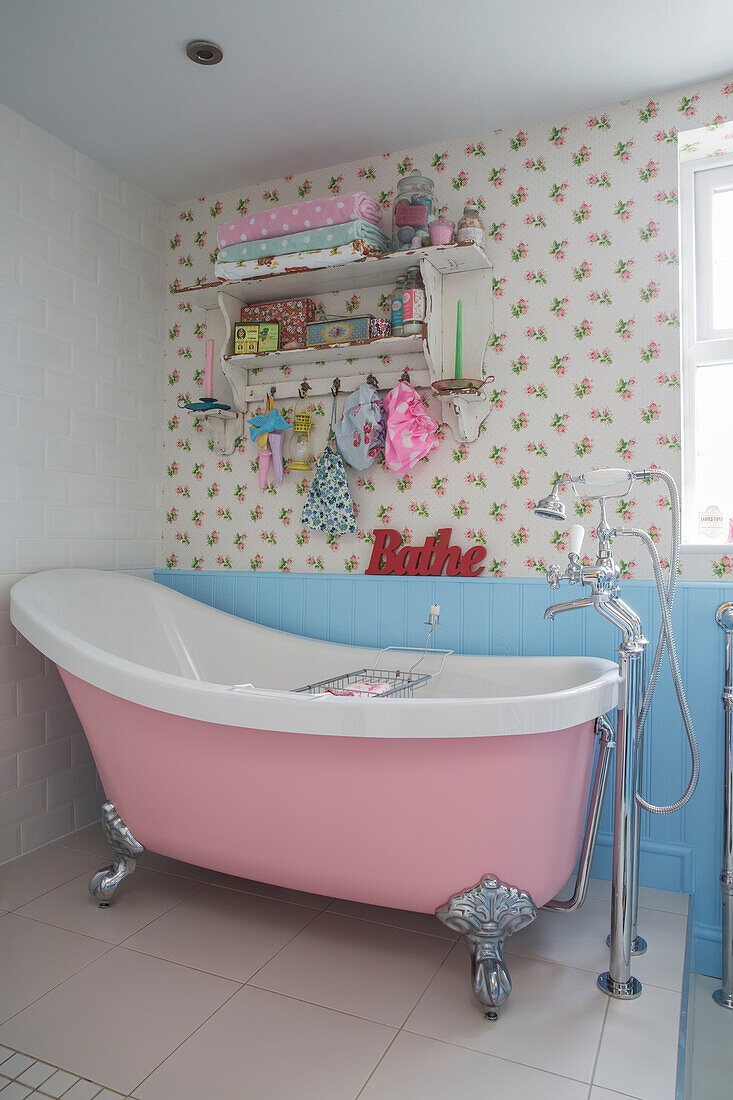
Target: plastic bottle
413, 303
470, 226
395, 306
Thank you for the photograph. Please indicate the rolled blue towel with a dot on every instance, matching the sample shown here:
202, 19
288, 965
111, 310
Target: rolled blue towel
329, 236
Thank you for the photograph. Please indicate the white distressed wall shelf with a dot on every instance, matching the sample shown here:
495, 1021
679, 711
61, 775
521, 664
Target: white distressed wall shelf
449, 272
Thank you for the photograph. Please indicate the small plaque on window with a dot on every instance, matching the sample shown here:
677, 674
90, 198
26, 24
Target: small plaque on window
711, 522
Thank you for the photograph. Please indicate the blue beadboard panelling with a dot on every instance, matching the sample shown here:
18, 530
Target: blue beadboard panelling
366, 616
268, 601
477, 619
681, 851
535, 632
245, 595
505, 637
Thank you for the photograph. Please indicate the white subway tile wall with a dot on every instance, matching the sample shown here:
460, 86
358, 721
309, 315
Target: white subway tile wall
81, 376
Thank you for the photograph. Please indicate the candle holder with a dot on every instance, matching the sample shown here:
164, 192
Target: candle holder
225, 427
204, 404
443, 386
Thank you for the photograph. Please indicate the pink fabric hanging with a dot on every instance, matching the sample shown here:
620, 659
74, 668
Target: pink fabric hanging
411, 433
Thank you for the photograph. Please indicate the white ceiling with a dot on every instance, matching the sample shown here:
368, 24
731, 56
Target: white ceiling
309, 83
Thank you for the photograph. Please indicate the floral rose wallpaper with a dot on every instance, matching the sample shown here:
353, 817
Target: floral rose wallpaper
581, 219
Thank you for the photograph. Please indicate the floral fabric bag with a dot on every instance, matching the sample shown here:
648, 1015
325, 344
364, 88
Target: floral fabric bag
360, 431
328, 506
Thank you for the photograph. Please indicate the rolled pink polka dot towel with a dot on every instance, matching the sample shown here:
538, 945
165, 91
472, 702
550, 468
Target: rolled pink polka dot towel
300, 216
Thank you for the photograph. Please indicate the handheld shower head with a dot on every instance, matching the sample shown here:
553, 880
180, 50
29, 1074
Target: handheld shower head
600, 484
595, 485
551, 507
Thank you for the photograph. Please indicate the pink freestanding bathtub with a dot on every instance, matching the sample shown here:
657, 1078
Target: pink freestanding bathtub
481, 778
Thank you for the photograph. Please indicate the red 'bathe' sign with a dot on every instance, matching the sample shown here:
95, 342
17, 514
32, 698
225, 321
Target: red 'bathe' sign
431, 559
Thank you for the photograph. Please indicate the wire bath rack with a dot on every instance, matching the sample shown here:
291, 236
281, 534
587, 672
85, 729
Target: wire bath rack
381, 683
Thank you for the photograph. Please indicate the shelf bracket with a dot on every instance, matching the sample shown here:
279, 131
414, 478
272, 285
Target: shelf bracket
225, 428
464, 413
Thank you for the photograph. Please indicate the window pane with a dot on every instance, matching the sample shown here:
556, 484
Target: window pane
714, 466
722, 219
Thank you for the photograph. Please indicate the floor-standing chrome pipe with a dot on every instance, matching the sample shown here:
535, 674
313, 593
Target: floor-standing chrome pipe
724, 995
618, 980
638, 943
607, 744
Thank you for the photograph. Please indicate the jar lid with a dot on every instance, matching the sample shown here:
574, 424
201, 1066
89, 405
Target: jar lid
413, 181
471, 210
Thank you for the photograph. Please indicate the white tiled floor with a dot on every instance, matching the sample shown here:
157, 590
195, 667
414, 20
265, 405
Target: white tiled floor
712, 1044
196, 985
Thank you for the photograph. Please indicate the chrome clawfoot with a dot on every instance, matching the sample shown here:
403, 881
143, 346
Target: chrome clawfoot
486, 914
127, 851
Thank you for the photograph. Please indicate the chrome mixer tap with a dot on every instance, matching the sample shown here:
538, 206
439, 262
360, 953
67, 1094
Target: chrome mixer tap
602, 578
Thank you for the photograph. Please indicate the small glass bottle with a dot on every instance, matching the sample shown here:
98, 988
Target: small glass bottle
470, 227
413, 303
395, 306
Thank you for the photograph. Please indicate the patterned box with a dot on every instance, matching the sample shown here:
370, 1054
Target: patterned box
338, 332
293, 316
269, 336
380, 326
246, 339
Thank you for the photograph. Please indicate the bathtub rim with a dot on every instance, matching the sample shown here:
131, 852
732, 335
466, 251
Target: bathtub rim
288, 712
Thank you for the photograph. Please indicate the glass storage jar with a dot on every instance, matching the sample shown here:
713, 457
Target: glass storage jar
413, 207
470, 226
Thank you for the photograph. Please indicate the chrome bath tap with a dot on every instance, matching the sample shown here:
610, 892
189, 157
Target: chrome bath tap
602, 578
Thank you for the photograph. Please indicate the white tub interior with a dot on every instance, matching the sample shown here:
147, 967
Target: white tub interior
144, 642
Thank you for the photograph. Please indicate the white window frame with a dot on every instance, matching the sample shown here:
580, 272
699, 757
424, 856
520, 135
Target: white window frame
702, 344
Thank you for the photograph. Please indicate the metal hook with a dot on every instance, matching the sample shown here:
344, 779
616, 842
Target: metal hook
405, 376
273, 390
372, 381
335, 386
303, 390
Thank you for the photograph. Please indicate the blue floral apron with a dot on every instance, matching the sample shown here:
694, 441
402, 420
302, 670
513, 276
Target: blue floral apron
328, 506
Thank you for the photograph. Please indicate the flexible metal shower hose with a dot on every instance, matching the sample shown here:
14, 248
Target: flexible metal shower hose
666, 640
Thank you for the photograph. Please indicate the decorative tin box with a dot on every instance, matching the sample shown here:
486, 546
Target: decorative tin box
269, 336
379, 326
338, 332
246, 339
293, 316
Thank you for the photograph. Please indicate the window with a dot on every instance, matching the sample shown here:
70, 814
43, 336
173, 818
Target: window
706, 208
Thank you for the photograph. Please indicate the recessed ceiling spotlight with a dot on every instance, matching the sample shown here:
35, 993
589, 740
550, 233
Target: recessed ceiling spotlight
204, 53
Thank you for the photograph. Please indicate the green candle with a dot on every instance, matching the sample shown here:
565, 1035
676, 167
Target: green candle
459, 339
